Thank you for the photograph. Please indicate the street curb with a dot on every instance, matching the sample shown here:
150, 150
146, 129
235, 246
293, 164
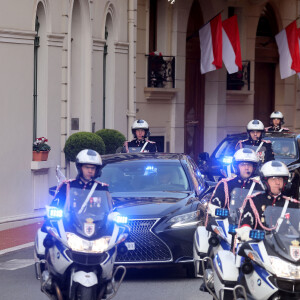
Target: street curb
4, 251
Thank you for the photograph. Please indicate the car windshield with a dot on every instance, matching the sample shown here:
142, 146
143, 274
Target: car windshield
139, 176
283, 148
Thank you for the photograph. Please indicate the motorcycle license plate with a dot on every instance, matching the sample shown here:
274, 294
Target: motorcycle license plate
130, 246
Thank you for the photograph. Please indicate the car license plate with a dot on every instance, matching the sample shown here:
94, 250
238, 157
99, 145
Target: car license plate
130, 246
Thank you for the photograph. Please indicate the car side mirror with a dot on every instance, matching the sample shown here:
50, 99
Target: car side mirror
203, 156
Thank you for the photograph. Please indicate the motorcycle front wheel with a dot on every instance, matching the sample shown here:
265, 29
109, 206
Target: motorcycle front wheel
86, 293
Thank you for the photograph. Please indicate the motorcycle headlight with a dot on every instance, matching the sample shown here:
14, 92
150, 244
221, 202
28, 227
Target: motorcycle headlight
78, 244
184, 220
284, 269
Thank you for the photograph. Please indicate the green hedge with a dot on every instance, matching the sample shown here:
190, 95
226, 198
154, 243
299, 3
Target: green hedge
113, 139
83, 140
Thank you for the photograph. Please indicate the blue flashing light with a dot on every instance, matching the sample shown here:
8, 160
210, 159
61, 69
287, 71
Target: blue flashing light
232, 228
55, 213
222, 212
258, 235
227, 160
121, 219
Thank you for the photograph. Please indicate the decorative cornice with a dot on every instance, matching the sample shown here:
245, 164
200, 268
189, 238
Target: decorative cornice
16, 36
121, 47
160, 93
98, 44
55, 39
238, 96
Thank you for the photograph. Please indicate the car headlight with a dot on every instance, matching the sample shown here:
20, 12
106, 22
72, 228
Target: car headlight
76, 243
184, 220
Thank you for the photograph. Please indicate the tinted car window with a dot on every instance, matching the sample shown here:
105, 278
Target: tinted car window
136, 176
197, 176
226, 149
283, 147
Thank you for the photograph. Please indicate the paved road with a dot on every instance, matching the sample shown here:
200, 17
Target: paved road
17, 282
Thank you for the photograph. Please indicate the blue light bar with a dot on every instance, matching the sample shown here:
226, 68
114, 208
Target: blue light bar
227, 160
258, 235
232, 228
222, 212
55, 213
121, 219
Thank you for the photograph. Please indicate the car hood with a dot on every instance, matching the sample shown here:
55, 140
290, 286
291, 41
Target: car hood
151, 205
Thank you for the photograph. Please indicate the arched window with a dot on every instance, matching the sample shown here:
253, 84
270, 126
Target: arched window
40, 78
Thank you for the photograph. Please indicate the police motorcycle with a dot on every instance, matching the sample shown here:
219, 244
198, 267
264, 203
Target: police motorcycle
75, 258
217, 237
268, 264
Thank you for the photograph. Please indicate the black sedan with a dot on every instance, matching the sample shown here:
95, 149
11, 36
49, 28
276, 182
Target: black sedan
285, 147
160, 194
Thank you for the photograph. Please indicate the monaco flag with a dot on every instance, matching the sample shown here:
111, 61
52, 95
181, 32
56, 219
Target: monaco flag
232, 57
288, 48
211, 45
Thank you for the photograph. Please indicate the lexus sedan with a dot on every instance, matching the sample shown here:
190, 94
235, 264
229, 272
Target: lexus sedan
160, 195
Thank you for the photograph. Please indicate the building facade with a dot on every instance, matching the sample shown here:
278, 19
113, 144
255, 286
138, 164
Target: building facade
84, 65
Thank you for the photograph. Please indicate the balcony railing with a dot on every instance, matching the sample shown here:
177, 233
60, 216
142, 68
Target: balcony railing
238, 80
161, 71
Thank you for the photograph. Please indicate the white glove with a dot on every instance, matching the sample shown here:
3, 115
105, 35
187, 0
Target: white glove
211, 209
243, 233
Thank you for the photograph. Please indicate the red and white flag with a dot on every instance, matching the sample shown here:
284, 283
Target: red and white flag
211, 45
232, 57
288, 48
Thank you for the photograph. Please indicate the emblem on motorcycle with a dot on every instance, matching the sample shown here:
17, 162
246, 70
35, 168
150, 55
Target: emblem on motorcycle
89, 227
258, 282
295, 250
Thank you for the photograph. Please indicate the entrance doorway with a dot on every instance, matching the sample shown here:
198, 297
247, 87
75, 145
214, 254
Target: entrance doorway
266, 58
194, 86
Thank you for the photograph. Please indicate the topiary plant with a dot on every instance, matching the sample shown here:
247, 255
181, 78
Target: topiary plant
83, 140
113, 139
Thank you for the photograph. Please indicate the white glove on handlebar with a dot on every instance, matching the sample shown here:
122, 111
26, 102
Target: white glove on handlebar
211, 209
243, 233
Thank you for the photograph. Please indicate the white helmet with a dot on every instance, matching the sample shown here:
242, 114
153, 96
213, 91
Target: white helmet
140, 124
255, 125
277, 115
274, 168
244, 155
88, 157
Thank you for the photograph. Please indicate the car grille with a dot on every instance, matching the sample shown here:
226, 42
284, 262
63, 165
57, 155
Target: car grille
148, 247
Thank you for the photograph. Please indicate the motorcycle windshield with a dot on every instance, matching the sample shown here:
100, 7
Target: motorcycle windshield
87, 214
286, 235
237, 197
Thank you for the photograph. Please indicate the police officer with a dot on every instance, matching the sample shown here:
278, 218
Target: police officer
274, 174
276, 121
263, 148
244, 163
88, 164
140, 143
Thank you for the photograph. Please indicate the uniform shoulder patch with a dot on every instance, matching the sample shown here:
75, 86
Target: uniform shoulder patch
151, 142
267, 141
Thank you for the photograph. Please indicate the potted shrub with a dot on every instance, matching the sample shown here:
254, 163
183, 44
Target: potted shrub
83, 140
113, 139
40, 149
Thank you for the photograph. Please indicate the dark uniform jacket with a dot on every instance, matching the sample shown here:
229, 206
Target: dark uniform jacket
219, 195
82, 191
265, 153
261, 201
135, 143
276, 129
